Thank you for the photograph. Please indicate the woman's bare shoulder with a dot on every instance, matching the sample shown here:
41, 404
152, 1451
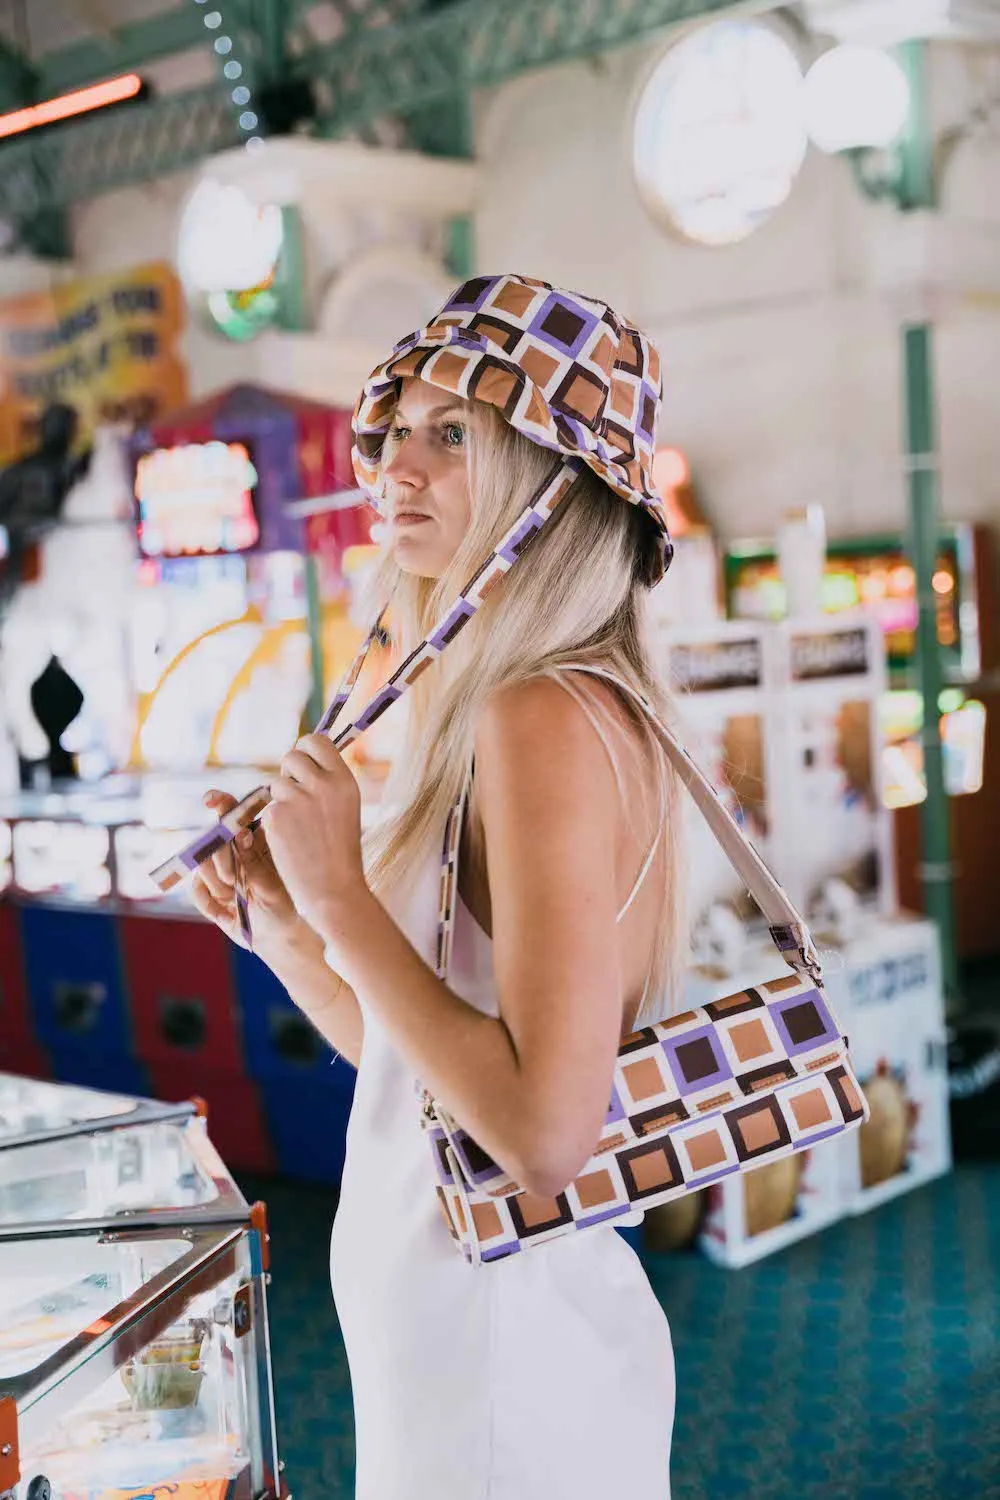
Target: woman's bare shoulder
538, 719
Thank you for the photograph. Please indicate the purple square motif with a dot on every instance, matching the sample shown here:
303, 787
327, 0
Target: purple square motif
647, 410
563, 324
512, 1247
378, 706
439, 1142
473, 293
615, 1110
215, 838
804, 1023
451, 625
515, 544
582, 436
697, 1061
617, 1212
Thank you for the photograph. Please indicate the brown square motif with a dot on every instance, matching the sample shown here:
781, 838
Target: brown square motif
750, 1040
595, 1189
644, 1079
705, 1150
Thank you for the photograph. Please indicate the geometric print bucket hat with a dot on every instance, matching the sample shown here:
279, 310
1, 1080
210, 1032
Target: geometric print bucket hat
564, 370
561, 368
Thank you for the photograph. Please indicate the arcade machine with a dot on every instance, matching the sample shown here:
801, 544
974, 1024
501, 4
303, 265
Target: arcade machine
874, 572
130, 990
787, 714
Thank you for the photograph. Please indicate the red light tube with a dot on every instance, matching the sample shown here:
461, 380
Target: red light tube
65, 106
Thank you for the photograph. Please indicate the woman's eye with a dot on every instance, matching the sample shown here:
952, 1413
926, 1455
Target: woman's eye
454, 434
398, 433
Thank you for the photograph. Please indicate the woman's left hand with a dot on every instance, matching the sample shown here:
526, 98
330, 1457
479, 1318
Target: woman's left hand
313, 826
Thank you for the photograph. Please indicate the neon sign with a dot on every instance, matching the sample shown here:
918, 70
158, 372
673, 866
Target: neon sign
197, 500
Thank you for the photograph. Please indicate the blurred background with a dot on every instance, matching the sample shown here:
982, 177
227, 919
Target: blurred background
215, 217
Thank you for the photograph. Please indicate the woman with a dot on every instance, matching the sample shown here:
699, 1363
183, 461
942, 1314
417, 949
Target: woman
549, 1374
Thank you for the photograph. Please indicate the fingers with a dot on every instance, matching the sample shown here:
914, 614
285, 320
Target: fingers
218, 870
287, 789
218, 802
209, 906
321, 749
299, 766
261, 876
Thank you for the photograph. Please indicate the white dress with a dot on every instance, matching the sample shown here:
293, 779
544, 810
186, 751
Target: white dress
545, 1376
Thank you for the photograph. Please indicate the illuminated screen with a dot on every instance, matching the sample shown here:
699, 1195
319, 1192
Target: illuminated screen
875, 573
198, 500
963, 739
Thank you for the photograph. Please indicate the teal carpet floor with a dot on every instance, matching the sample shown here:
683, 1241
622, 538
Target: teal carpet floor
863, 1364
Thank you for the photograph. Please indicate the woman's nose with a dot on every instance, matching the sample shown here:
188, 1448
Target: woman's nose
405, 466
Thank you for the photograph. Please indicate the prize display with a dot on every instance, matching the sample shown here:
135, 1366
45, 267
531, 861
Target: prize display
885, 984
134, 1352
718, 673
832, 843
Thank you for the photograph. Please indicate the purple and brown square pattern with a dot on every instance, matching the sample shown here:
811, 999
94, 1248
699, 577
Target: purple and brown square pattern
747, 1079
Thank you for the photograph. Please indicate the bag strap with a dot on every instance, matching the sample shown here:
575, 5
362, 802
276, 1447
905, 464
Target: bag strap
788, 931
511, 547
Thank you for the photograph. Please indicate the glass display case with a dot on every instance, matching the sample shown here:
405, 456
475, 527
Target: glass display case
134, 1349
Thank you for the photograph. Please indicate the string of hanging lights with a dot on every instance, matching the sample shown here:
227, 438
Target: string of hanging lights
233, 71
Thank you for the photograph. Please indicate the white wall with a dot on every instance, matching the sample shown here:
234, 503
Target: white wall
139, 224
372, 235
781, 371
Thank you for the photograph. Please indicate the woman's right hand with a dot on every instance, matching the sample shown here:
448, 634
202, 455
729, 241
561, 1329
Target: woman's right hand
275, 922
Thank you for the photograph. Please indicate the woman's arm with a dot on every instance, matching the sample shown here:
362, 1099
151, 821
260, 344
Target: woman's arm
532, 1087
322, 996
282, 939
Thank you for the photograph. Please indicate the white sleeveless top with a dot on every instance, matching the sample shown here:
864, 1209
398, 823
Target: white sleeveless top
545, 1375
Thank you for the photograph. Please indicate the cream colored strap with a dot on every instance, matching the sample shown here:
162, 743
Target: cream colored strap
753, 872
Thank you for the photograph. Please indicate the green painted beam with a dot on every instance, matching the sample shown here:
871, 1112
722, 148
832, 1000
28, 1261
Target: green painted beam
17, 78
375, 70
472, 45
132, 46
127, 146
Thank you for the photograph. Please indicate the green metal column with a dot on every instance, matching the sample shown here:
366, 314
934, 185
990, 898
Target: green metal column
922, 477
272, 21
445, 129
314, 625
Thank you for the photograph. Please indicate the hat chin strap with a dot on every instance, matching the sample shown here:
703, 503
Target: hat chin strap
500, 561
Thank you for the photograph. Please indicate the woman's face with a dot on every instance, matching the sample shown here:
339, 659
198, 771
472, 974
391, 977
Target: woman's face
427, 478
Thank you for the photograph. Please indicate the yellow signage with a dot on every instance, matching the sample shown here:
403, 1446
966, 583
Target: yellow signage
106, 345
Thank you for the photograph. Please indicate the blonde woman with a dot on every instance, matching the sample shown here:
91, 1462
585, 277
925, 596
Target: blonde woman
549, 1374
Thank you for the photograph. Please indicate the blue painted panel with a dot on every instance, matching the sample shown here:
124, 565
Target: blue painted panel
278, 1042
74, 977
307, 1123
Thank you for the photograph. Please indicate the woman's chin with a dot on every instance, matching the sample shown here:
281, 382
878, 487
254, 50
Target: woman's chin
412, 556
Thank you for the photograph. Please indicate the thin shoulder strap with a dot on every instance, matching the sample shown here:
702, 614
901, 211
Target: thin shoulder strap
646, 866
790, 934
787, 927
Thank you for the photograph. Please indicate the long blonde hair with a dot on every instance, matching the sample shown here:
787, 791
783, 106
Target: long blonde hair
576, 596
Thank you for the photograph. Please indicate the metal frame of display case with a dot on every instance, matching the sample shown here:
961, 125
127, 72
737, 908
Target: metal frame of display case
225, 1235
147, 1111
229, 1206
32, 1403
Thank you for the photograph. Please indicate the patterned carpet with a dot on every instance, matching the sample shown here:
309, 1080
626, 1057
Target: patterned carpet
863, 1364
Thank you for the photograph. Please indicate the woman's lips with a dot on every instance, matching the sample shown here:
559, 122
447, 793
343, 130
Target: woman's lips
408, 518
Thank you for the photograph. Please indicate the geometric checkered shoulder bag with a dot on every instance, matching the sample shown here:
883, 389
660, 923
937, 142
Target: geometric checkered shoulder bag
744, 1080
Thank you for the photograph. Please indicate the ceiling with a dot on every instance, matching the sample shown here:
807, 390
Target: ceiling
40, 26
